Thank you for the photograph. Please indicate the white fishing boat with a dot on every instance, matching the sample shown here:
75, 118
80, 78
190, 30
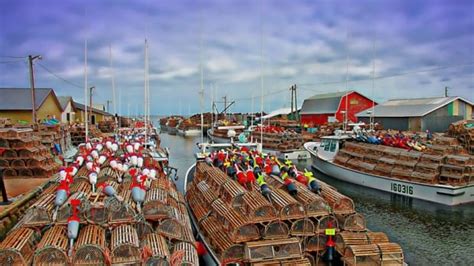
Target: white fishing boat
323, 154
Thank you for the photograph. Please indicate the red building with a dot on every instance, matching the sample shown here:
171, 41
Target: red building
323, 108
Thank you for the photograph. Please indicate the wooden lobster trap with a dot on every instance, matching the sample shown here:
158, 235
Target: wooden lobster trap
277, 250
94, 209
201, 171
221, 242
208, 193
161, 183
200, 209
52, 249
184, 254
234, 223
339, 203
384, 166
172, 226
125, 245
65, 211
391, 254
352, 222
232, 193
326, 222
401, 172
314, 205
91, 246
257, 208
345, 239
125, 213
454, 174
275, 229
368, 254
155, 206
459, 160
18, 247
286, 206
315, 243
40, 213
108, 174
302, 227
156, 249
216, 178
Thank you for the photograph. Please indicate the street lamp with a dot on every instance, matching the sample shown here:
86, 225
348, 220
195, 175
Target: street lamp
90, 102
31, 59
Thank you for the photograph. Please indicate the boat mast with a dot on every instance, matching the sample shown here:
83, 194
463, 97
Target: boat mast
86, 121
114, 103
201, 92
146, 90
261, 73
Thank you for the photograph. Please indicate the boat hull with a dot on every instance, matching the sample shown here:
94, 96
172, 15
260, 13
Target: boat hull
189, 132
172, 130
217, 139
442, 194
295, 155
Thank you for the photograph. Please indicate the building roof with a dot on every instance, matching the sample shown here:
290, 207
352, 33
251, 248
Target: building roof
410, 107
64, 100
281, 111
20, 98
80, 106
327, 103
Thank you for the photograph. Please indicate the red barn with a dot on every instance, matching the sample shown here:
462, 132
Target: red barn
323, 108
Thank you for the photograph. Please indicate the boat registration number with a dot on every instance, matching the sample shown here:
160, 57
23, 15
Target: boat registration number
401, 188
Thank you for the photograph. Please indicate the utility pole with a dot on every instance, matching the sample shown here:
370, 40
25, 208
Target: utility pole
108, 102
294, 102
32, 85
446, 91
90, 102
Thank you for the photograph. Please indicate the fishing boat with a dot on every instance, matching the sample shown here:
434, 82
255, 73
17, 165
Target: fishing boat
187, 128
172, 123
275, 219
443, 178
225, 134
284, 144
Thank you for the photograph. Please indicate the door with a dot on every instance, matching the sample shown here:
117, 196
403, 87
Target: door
93, 119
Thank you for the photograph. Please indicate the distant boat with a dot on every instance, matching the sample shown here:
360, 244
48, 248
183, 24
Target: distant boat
324, 154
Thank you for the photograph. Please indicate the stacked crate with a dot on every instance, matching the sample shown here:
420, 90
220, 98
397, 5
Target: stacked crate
23, 155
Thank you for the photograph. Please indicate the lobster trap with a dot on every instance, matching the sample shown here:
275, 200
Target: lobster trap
18, 247
234, 223
302, 227
40, 213
257, 208
184, 254
156, 250
352, 222
223, 245
275, 230
52, 249
155, 206
125, 245
91, 247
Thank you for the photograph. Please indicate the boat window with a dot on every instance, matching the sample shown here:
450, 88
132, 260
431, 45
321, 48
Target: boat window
333, 146
326, 145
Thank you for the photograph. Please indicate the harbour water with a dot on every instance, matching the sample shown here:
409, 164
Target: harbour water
429, 234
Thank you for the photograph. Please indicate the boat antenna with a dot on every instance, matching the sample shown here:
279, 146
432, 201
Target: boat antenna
347, 88
112, 74
372, 114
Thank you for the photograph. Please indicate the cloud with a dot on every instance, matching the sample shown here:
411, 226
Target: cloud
304, 42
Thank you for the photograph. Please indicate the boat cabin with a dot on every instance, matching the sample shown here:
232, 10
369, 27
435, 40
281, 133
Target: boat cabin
329, 146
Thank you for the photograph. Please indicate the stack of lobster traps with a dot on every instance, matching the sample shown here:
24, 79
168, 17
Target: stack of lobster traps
94, 226
242, 225
432, 166
23, 156
463, 131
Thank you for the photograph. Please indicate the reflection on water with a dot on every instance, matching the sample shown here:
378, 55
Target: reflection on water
430, 234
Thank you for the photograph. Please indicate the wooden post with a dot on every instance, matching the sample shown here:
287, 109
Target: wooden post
4, 190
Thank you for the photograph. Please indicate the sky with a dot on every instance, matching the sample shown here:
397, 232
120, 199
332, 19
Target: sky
245, 49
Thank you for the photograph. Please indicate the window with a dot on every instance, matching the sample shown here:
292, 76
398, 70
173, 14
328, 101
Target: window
333, 146
68, 117
326, 146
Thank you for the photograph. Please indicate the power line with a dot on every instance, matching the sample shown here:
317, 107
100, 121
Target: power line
7, 56
59, 77
389, 76
12, 61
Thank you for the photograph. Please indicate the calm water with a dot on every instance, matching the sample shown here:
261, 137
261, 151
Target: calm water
429, 234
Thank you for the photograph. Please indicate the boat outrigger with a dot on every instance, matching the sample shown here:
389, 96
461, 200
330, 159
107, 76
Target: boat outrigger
439, 178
